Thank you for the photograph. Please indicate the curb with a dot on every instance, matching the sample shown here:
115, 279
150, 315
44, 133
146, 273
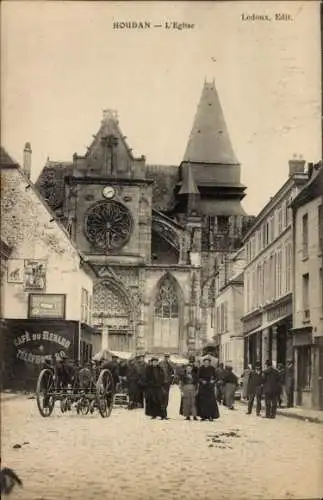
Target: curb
295, 416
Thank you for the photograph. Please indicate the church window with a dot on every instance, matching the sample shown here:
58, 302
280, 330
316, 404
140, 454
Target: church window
108, 225
166, 305
166, 317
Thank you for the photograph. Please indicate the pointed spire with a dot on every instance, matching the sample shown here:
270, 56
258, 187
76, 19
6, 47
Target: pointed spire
188, 185
209, 141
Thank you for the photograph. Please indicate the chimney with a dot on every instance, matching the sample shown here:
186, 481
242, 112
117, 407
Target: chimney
296, 166
27, 159
310, 170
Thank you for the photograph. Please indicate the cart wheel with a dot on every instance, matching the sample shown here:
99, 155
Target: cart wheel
105, 393
45, 393
83, 406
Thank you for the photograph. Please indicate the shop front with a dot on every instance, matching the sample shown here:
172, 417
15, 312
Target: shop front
251, 328
308, 353
267, 335
277, 336
29, 342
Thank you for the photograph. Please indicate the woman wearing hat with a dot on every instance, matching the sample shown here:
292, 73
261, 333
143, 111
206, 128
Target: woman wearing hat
207, 408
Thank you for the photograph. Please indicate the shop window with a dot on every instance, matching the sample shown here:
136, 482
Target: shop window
304, 367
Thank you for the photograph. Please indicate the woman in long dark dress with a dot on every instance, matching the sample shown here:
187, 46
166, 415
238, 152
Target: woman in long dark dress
207, 407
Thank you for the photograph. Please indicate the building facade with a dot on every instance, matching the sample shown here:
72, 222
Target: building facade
268, 276
308, 292
46, 289
152, 234
228, 313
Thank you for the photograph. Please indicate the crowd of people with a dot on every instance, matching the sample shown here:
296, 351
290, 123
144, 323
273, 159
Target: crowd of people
271, 384
202, 385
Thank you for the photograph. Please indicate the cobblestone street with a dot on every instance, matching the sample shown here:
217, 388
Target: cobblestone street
128, 456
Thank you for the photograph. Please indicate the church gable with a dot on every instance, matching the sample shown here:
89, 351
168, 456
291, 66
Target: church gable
109, 155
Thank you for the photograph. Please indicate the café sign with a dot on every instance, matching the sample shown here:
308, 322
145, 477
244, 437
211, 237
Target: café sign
36, 347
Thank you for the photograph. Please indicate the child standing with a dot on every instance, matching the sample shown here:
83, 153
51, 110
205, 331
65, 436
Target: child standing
188, 387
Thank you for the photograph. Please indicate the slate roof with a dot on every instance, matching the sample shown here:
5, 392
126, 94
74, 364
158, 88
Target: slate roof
209, 141
6, 160
188, 185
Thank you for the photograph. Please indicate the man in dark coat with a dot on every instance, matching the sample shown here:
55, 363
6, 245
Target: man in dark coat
271, 388
132, 380
289, 383
168, 374
155, 394
231, 383
254, 389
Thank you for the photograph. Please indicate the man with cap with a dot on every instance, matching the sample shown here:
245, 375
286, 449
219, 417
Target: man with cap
254, 389
168, 374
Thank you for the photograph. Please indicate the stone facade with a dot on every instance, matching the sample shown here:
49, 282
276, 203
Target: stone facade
228, 313
268, 279
46, 289
153, 235
308, 293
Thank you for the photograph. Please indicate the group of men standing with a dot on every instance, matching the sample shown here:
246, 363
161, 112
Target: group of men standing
147, 383
270, 384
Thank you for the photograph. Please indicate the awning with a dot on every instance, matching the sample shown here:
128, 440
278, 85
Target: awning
107, 354
267, 325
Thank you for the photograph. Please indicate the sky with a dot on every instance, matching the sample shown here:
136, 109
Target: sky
62, 63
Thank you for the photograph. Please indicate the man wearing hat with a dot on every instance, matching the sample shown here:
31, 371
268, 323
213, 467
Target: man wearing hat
155, 395
168, 374
254, 389
271, 388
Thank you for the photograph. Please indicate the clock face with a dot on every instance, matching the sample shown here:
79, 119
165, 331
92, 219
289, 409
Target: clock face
109, 192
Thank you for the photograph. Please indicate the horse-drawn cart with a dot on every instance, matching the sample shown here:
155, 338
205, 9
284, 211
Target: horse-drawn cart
85, 393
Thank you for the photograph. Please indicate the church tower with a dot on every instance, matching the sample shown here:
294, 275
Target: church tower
210, 190
155, 250
107, 204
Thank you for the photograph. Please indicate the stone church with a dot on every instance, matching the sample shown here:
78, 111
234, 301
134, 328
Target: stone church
155, 236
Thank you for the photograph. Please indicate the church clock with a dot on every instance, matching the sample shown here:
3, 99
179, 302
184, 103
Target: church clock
109, 192
108, 225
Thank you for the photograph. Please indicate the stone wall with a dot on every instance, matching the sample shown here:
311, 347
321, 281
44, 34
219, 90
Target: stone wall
31, 231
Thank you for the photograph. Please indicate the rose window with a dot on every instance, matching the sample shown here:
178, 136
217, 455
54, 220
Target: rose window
108, 225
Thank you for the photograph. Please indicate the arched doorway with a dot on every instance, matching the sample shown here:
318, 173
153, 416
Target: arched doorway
112, 309
167, 314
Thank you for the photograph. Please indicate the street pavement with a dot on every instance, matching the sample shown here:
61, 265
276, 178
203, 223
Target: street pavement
129, 456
